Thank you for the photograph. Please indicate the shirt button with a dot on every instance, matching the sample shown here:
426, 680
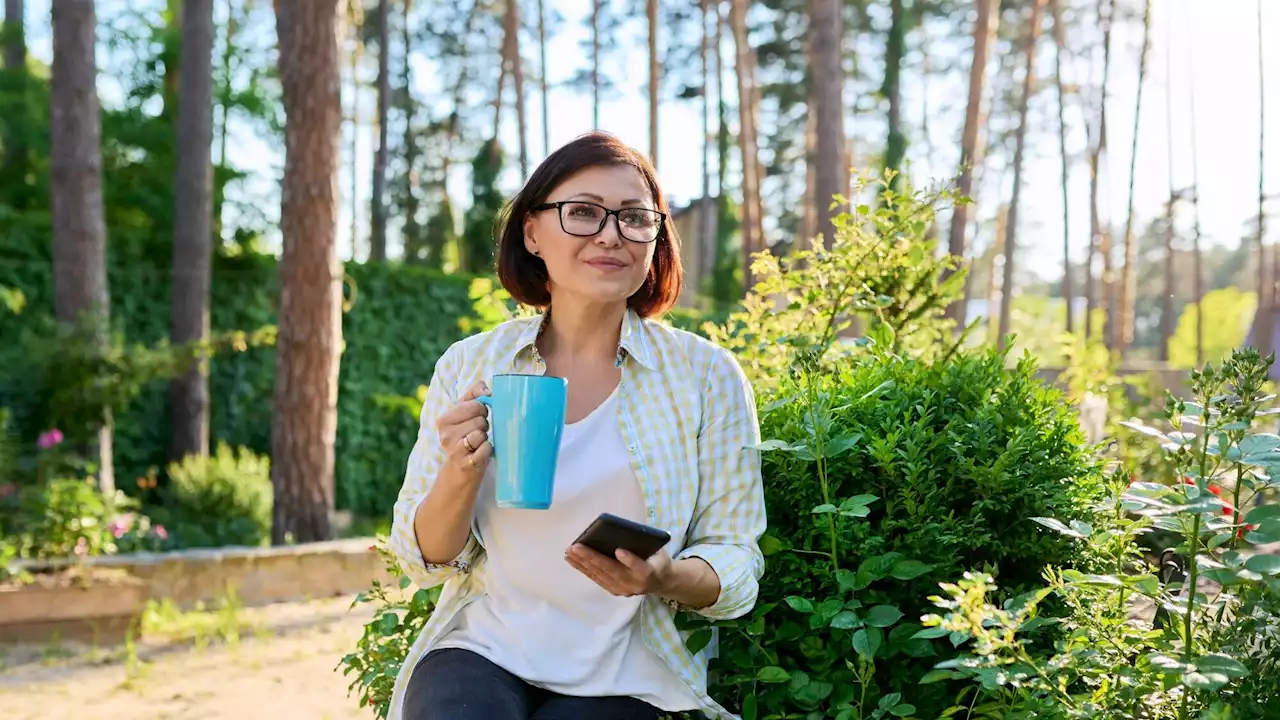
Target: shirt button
632, 448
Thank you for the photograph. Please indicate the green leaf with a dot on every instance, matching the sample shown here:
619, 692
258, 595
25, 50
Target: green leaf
823, 509
770, 545
882, 616
1221, 664
934, 676
847, 579
698, 640
845, 620
867, 641
773, 674
902, 710
930, 633
404, 581
909, 569
779, 445
388, 623
812, 693
1263, 513
840, 445
800, 604
749, 709
858, 500
1205, 682
889, 700
1264, 564
1059, 527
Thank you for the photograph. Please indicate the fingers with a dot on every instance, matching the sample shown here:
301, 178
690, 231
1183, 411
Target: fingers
613, 576
475, 391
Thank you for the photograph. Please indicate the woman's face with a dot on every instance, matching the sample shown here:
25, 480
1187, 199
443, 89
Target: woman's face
604, 266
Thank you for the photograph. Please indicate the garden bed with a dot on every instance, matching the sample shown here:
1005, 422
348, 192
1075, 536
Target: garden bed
96, 598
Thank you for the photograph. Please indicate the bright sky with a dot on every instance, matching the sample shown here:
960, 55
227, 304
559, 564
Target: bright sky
1226, 86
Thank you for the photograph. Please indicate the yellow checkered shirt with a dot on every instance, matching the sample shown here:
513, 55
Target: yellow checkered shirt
688, 415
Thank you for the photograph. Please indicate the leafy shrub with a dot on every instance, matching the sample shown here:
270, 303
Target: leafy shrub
1211, 649
946, 462
222, 499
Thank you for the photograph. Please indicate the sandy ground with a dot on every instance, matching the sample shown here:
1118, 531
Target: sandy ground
281, 668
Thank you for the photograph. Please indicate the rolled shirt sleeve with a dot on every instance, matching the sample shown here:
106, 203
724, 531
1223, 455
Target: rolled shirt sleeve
424, 464
729, 516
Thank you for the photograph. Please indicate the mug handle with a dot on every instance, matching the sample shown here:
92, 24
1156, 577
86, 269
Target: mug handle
485, 400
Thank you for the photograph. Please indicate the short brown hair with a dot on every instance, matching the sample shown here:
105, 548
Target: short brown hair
525, 276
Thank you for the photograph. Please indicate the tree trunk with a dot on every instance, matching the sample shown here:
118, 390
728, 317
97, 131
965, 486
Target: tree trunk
192, 230
752, 235
355, 15
1197, 259
984, 31
707, 207
1060, 48
412, 231
517, 78
228, 52
1128, 276
896, 147
1011, 228
1263, 326
170, 59
378, 230
1167, 319
542, 79
595, 64
1100, 241
651, 9
825, 32
304, 420
14, 139
79, 229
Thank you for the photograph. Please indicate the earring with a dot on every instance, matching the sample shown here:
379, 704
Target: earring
537, 254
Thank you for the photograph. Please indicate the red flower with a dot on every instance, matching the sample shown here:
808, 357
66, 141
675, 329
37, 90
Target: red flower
1227, 508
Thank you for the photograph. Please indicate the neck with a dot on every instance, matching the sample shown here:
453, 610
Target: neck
583, 332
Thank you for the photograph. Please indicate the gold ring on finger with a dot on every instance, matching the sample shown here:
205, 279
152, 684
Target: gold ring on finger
467, 442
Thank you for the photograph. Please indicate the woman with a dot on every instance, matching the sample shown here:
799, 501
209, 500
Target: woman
658, 429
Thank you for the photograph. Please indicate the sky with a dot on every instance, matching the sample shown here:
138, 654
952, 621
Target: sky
1222, 71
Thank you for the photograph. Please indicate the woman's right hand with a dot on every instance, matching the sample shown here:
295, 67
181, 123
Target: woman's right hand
464, 435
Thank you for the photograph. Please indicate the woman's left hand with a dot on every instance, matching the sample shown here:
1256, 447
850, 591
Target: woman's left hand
624, 576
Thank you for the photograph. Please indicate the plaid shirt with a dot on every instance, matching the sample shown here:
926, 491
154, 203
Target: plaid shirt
688, 416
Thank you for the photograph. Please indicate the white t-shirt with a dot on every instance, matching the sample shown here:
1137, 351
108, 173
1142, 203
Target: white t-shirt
542, 620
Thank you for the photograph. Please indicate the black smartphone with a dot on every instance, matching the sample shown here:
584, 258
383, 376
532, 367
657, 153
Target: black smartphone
607, 533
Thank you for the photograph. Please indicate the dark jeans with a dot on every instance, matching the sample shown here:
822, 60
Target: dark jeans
456, 684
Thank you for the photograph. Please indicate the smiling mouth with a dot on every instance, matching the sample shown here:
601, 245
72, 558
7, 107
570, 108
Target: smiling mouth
606, 263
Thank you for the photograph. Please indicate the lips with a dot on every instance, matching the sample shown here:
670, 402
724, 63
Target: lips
605, 263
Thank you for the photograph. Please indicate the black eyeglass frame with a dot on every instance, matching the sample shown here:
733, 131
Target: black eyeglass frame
559, 205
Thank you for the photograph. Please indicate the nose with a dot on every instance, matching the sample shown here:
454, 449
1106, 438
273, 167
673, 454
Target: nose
611, 234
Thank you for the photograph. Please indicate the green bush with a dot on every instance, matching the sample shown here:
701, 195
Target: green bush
946, 462
399, 320
222, 499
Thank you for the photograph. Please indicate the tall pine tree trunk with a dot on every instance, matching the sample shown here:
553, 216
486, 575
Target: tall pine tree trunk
984, 32
1011, 227
595, 64
517, 78
1098, 290
744, 68
80, 296
1263, 338
192, 230
1128, 277
1167, 319
304, 419
13, 36
651, 10
412, 231
896, 149
542, 79
1197, 258
825, 32
378, 231
1060, 49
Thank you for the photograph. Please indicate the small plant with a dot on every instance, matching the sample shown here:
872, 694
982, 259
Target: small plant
397, 620
1195, 633
222, 499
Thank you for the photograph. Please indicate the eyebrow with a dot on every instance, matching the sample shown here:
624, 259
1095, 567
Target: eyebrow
600, 200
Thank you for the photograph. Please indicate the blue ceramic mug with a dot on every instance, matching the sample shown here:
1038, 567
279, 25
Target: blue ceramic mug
526, 420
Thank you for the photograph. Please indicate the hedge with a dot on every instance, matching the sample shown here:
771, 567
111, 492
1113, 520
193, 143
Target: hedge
399, 320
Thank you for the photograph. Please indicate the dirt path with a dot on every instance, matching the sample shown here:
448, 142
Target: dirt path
281, 667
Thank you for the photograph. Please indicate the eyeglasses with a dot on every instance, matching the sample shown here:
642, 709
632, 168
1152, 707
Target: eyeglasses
585, 219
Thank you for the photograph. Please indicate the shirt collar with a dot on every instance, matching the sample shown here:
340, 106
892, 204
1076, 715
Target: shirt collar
633, 340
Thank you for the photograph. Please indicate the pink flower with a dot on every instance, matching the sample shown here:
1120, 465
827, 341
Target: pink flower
49, 439
160, 532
